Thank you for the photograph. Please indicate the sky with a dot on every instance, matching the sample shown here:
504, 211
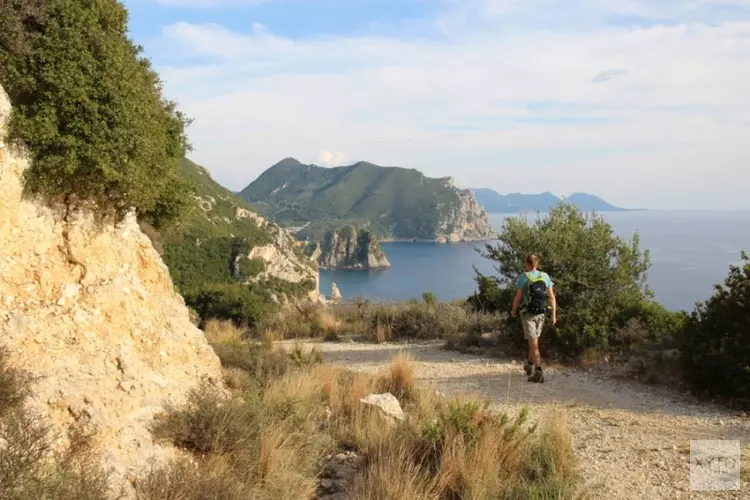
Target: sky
643, 102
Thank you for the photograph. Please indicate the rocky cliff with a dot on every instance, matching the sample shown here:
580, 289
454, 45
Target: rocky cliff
88, 309
348, 248
467, 221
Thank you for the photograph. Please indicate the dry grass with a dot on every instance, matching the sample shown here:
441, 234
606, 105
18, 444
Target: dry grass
381, 333
381, 322
266, 440
400, 380
222, 332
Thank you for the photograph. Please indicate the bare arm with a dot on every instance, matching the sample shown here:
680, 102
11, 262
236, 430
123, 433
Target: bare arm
516, 302
553, 303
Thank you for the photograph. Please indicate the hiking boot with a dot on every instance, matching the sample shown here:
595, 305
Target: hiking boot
537, 378
529, 369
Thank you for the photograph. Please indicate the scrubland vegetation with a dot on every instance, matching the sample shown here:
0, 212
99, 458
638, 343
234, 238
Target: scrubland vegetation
286, 412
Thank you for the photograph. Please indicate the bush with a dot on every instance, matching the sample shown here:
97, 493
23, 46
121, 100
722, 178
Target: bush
91, 109
239, 303
715, 342
594, 272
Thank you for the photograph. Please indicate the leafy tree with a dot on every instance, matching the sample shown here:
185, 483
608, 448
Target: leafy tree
90, 108
242, 304
594, 272
716, 339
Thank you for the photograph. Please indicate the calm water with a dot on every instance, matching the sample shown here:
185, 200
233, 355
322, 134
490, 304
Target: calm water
690, 252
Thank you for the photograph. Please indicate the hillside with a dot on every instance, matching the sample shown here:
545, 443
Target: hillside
391, 202
494, 202
222, 241
104, 341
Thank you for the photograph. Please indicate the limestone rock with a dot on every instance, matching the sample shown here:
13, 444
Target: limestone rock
335, 293
102, 344
387, 403
348, 248
467, 221
281, 260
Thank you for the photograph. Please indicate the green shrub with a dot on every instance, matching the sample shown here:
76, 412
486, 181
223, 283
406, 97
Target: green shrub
90, 108
647, 323
429, 298
243, 304
715, 342
262, 362
594, 272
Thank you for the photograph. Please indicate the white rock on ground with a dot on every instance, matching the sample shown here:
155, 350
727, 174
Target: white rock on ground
387, 403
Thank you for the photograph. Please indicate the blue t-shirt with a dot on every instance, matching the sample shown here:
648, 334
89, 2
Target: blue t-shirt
521, 283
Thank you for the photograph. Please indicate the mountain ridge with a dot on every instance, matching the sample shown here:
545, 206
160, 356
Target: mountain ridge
393, 203
494, 202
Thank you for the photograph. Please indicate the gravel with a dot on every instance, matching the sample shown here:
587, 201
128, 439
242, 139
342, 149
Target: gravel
632, 440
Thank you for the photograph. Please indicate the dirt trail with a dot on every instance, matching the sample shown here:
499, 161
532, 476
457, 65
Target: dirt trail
632, 440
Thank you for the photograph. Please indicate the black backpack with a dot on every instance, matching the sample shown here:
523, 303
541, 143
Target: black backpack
536, 294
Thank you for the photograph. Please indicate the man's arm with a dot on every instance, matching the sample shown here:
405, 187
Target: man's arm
516, 302
553, 303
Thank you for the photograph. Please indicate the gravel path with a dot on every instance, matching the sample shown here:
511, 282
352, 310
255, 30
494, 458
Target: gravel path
632, 440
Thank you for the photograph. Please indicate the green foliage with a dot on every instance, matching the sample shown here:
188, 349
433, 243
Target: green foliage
429, 298
250, 268
716, 339
389, 202
595, 274
90, 108
243, 304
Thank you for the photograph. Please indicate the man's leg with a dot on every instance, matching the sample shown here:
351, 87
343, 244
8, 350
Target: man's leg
536, 332
528, 326
534, 353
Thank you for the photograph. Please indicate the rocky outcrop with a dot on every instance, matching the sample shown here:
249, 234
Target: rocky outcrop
88, 309
335, 293
348, 249
282, 258
466, 221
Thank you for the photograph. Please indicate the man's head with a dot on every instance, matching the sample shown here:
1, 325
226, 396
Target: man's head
531, 262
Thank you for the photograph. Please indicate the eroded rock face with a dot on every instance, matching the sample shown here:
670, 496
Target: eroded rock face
348, 249
109, 341
467, 222
281, 260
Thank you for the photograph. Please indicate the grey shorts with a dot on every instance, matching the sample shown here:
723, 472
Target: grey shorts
532, 325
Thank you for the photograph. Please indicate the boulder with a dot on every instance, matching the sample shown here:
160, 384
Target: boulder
386, 403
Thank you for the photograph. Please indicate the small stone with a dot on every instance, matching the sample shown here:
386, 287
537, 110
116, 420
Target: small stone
88, 400
160, 381
387, 403
76, 410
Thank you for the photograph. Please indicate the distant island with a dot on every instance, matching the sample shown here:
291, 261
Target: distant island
390, 203
494, 202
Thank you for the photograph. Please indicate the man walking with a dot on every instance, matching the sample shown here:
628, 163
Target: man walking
534, 290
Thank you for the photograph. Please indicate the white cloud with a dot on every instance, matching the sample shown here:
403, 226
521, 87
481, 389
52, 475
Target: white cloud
328, 158
516, 110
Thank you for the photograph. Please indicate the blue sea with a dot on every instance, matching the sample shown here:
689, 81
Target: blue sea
690, 252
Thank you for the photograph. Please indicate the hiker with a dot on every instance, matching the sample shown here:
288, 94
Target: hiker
534, 289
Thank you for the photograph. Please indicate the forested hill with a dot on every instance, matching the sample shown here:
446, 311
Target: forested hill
391, 202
